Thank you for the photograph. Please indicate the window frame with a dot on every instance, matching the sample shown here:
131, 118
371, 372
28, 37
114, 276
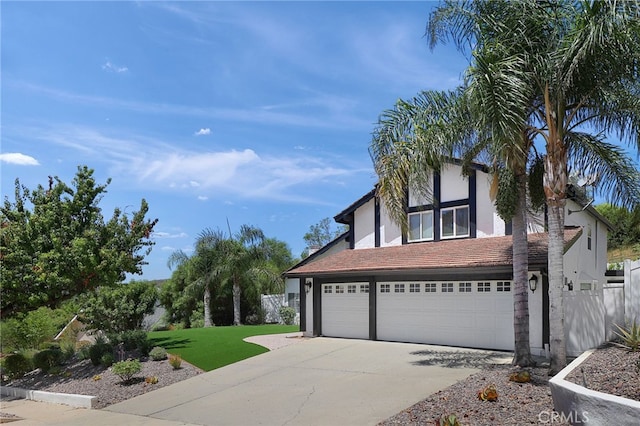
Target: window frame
420, 215
454, 225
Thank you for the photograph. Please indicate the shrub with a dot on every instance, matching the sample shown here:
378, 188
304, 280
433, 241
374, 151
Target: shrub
287, 314
132, 340
98, 350
629, 336
126, 369
158, 353
107, 360
175, 361
16, 365
48, 358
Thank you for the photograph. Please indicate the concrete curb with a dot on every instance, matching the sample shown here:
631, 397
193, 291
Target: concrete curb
72, 400
579, 405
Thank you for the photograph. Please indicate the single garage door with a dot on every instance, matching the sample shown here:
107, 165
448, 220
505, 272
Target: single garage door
471, 314
345, 310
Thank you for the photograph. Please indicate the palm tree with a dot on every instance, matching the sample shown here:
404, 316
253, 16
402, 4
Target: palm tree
419, 136
572, 73
206, 264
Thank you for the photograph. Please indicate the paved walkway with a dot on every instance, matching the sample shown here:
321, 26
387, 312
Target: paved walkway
320, 381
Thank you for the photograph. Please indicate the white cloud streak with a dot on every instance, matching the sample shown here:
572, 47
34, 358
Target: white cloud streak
242, 173
203, 132
18, 159
110, 67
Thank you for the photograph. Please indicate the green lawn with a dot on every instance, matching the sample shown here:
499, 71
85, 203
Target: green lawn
214, 347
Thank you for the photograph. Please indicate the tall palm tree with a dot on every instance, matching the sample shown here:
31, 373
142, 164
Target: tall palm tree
573, 68
206, 263
417, 137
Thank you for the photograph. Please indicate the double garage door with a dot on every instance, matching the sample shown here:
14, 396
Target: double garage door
471, 314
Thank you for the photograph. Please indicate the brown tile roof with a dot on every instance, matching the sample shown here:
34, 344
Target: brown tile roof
463, 253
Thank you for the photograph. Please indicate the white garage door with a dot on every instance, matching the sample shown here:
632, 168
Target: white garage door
345, 310
471, 314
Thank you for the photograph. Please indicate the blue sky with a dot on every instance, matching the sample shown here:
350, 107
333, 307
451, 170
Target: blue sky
258, 113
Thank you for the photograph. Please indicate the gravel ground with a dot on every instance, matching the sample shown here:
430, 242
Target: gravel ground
610, 369
517, 404
82, 378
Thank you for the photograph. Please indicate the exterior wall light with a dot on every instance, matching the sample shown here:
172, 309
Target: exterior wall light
307, 284
533, 283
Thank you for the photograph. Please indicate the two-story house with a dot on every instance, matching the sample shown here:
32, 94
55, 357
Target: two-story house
448, 281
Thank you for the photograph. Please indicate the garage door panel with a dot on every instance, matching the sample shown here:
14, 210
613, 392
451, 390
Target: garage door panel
345, 313
458, 314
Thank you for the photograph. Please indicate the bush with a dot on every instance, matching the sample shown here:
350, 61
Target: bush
16, 365
257, 318
287, 314
107, 360
175, 361
158, 353
132, 340
48, 358
98, 350
126, 369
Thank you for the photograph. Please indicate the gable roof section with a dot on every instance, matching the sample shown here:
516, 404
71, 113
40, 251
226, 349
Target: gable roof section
451, 254
312, 257
343, 216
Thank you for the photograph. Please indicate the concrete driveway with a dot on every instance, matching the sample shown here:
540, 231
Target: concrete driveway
319, 381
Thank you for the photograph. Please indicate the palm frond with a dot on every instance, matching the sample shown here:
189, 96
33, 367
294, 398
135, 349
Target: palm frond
618, 179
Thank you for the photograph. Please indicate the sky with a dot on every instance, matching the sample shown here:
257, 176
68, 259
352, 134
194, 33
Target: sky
219, 114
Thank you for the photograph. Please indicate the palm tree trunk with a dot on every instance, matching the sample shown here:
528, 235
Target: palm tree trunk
556, 284
522, 352
236, 302
207, 307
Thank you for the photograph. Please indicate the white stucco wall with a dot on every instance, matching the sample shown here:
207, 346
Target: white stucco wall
535, 317
364, 226
488, 223
453, 185
390, 234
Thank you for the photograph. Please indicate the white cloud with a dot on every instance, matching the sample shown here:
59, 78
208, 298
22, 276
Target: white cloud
169, 235
203, 132
108, 66
234, 174
19, 159
203, 197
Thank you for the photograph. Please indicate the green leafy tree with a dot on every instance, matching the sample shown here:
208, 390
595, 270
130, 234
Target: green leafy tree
569, 76
627, 224
321, 234
120, 308
55, 243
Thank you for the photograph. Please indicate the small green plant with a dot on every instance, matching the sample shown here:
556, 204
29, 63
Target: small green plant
126, 369
629, 336
16, 365
175, 361
287, 314
107, 360
158, 353
448, 420
47, 359
98, 350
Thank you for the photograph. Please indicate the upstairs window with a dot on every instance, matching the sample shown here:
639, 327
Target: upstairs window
454, 222
421, 226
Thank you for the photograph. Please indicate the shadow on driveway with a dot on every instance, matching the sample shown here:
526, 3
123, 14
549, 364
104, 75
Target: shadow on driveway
459, 359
